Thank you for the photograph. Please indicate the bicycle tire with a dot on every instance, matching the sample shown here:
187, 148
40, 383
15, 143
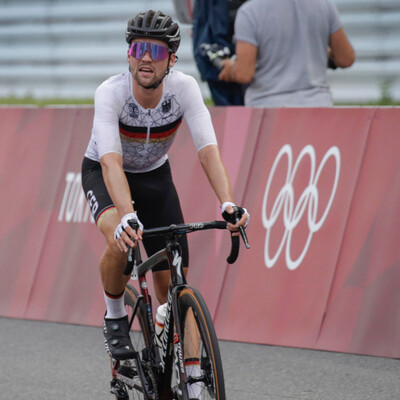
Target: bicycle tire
140, 340
208, 381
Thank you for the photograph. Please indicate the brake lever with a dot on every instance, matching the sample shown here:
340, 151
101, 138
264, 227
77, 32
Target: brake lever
244, 237
130, 264
133, 256
241, 229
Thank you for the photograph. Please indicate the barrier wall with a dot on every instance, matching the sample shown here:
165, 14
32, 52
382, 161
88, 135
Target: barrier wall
322, 186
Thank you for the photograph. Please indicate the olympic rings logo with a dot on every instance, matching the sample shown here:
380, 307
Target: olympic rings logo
292, 213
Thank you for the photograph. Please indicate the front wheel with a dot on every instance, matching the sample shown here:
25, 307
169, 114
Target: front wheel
203, 365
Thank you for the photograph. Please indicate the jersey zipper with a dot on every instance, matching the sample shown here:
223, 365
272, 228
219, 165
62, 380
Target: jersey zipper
148, 126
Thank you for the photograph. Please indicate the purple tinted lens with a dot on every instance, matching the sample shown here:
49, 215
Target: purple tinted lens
158, 52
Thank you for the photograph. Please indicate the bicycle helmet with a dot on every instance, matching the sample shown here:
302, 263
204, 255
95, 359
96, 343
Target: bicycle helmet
154, 25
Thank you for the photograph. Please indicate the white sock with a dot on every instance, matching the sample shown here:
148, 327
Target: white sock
194, 389
115, 306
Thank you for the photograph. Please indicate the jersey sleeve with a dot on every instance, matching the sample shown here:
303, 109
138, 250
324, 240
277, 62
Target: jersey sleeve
196, 114
105, 123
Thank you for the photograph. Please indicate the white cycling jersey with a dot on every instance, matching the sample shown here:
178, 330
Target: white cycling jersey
143, 136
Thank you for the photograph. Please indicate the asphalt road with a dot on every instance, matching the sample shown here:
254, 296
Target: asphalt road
49, 361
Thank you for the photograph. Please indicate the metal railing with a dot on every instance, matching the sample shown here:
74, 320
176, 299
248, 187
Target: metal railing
66, 49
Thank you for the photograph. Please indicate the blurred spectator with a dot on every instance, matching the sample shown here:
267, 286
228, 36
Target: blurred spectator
283, 48
212, 33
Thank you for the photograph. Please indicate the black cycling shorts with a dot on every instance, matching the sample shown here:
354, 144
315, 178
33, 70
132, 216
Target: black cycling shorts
156, 202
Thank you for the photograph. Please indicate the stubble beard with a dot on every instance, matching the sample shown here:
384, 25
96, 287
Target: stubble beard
146, 83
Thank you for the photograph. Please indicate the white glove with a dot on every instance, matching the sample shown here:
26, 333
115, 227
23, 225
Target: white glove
229, 203
124, 224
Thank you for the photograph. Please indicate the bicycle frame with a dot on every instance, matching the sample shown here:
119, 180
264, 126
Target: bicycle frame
162, 358
163, 361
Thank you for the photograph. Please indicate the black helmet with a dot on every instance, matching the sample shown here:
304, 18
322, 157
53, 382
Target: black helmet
154, 25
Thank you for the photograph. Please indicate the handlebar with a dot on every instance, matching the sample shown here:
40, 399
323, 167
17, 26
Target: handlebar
180, 229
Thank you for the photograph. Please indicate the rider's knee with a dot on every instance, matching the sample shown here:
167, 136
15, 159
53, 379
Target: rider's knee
113, 251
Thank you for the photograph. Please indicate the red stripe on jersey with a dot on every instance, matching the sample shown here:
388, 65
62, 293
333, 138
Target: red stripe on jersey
153, 135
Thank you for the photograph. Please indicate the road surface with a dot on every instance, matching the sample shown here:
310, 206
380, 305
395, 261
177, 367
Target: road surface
49, 361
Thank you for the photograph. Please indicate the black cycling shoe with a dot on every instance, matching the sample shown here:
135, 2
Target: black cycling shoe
116, 337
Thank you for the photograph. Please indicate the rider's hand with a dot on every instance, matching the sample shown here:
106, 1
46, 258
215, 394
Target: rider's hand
228, 215
124, 235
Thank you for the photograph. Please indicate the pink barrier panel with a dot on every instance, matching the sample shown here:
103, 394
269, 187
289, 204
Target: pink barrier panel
299, 192
322, 187
324, 266
362, 315
49, 258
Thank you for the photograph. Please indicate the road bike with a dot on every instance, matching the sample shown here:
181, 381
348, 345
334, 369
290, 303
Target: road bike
159, 372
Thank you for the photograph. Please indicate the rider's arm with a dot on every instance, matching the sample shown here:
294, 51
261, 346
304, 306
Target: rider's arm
116, 182
214, 168
118, 189
211, 162
201, 128
108, 143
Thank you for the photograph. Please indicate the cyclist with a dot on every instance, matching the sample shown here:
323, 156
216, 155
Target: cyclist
125, 171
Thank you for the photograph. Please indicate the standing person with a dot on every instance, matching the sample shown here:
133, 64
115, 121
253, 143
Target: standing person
213, 26
125, 171
283, 48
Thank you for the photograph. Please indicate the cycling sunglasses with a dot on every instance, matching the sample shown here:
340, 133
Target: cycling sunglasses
157, 52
